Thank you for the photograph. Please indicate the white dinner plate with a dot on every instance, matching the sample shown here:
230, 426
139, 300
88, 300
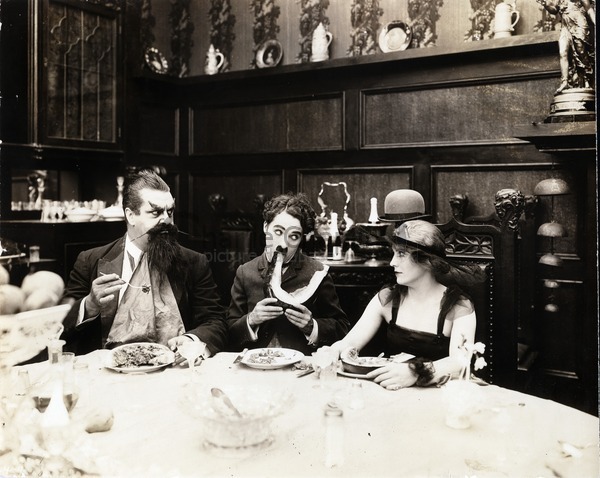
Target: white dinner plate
167, 357
271, 358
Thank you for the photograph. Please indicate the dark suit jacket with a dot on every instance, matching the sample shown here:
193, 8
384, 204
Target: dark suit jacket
197, 299
247, 291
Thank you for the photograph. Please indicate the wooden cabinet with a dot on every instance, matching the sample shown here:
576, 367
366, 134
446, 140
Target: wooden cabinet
66, 68
79, 72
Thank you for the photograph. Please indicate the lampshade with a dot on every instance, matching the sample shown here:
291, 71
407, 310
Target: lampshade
551, 260
551, 187
551, 284
553, 308
552, 229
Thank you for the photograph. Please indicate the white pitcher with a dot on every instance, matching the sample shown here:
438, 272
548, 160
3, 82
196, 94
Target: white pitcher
320, 43
214, 61
506, 17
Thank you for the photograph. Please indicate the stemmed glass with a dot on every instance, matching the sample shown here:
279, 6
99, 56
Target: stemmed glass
191, 350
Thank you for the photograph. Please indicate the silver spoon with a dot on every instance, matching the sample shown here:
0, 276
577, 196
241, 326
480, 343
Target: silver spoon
221, 395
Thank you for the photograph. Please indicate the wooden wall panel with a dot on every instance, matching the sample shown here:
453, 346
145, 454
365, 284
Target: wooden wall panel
159, 129
480, 184
304, 125
472, 112
239, 190
362, 185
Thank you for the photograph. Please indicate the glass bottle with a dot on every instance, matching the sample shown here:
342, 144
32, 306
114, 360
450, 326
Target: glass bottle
373, 216
334, 435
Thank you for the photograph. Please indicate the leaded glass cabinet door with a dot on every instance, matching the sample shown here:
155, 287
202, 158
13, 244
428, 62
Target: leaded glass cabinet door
81, 73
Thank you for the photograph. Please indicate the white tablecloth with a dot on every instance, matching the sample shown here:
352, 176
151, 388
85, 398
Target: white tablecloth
400, 434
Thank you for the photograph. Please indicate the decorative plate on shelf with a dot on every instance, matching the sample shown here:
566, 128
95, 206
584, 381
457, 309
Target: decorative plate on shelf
269, 54
156, 61
395, 36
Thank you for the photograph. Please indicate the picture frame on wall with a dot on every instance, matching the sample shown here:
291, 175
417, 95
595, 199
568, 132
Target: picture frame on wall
269, 54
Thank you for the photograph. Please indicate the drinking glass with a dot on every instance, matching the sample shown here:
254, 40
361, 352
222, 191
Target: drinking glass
325, 364
191, 350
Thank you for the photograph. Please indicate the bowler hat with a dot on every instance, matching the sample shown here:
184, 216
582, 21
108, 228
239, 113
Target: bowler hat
403, 205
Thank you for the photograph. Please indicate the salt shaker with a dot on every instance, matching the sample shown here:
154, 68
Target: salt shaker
334, 435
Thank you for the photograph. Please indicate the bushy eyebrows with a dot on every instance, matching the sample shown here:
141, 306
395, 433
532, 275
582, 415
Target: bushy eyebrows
156, 207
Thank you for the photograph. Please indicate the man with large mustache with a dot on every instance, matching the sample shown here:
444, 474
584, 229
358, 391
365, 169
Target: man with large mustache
145, 286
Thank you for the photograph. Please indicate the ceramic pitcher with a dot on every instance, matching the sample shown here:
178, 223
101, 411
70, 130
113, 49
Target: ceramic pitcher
320, 43
506, 17
214, 61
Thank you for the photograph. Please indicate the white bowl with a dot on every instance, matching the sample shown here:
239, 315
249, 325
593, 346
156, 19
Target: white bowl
80, 214
112, 213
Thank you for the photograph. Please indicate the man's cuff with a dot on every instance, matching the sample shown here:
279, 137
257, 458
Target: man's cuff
81, 318
253, 333
195, 338
314, 335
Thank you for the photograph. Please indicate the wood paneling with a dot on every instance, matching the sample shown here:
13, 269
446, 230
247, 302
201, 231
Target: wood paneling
469, 113
159, 129
362, 185
480, 184
315, 124
239, 189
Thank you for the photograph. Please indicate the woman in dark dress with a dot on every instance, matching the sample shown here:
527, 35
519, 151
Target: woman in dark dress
424, 318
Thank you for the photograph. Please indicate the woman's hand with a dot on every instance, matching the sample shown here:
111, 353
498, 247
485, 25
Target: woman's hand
264, 311
393, 376
301, 317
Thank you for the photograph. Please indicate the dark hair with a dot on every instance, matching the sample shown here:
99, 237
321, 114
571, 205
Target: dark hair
296, 205
144, 179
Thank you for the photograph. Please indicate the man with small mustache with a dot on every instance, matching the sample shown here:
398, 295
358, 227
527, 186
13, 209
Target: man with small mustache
145, 286
283, 297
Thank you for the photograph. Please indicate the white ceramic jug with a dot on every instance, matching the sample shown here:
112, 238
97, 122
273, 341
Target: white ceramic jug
506, 17
214, 61
320, 43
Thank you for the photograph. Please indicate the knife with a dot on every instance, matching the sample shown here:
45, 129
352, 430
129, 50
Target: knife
239, 358
302, 373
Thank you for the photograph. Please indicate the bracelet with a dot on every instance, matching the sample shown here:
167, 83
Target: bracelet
424, 371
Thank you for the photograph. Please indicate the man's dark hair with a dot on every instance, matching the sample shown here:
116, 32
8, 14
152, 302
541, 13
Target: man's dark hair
296, 205
144, 179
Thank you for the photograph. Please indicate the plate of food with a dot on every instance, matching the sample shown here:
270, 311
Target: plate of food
395, 36
271, 358
140, 357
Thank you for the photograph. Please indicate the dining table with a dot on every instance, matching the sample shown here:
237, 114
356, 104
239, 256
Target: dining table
380, 433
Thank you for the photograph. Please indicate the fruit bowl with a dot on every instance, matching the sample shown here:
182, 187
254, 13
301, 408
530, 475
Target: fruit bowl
24, 335
223, 429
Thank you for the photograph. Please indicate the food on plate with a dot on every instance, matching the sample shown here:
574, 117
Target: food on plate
139, 355
354, 364
11, 299
265, 356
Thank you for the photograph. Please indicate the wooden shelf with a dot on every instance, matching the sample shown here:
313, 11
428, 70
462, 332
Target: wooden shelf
559, 137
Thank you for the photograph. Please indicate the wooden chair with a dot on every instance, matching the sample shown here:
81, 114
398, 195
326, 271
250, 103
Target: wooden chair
492, 249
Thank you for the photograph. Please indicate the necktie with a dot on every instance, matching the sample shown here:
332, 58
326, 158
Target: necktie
131, 261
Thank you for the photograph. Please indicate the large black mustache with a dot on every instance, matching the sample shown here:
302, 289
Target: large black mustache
163, 228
